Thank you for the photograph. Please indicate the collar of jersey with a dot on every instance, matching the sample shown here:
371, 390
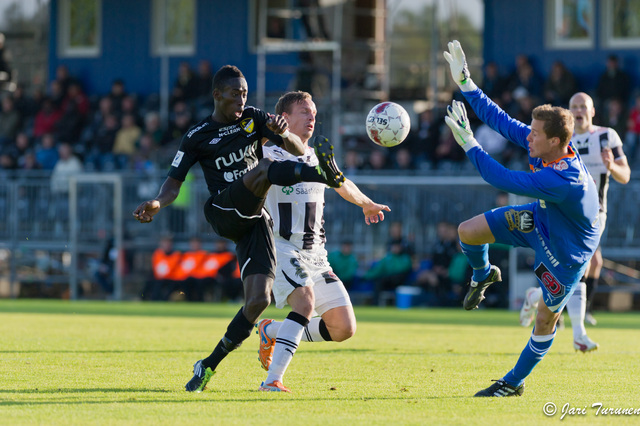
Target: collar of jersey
571, 154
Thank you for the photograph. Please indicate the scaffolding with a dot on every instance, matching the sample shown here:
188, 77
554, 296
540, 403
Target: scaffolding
355, 46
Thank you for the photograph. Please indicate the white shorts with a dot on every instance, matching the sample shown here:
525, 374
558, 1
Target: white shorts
296, 268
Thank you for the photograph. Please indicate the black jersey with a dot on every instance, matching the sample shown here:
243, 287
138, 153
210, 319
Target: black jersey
225, 151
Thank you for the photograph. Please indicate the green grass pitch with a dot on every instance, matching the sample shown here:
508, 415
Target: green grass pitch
127, 363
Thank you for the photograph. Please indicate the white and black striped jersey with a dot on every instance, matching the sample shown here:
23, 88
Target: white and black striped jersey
590, 146
297, 210
225, 151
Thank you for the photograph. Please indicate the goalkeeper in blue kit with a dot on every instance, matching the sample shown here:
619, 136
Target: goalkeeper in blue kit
561, 227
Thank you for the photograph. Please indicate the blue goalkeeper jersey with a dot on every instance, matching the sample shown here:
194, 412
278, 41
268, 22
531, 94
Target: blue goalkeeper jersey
567, 206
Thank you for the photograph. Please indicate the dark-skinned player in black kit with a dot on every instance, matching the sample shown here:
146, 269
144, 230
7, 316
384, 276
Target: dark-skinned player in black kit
228, 146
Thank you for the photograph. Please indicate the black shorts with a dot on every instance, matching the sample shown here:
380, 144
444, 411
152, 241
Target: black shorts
237, 214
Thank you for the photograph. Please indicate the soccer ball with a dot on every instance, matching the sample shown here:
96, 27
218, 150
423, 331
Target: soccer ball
388, 124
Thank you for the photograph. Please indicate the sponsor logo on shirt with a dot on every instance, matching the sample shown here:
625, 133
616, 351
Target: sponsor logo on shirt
231, 176
214, 141
196, 129
287, 189
561, 165
177, 159
237, 157
519, 220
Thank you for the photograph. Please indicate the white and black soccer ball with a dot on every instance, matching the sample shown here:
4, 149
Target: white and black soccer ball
388, 124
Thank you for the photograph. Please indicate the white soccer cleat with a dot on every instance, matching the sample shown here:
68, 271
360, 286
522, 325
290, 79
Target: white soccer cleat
588, 317
528, 311
584, 344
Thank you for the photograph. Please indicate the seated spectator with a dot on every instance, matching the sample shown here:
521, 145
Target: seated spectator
423, 143
436, 282
632, 139
7, 163
66, 166
615, 117
117, 94
10, 121
493, 83
179, 122
29, 162
187, 82
64, 79
24, 104
403, 160
130, 106
560, 85
46, 118
19, 148
389, 272
75, 108
525, 77
344, 263
145, 159
47, 152
396, 236
377, 160
614, 82
126, 138
205, 82
101, 152
352, 162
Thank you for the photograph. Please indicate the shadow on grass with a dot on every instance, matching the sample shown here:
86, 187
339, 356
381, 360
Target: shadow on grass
72, 391
445, 316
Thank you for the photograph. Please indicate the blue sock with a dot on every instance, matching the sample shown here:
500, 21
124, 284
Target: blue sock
478, 258
531, 355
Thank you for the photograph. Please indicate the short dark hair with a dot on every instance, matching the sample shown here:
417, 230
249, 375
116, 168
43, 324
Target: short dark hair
558, 122
290, 98
225, 74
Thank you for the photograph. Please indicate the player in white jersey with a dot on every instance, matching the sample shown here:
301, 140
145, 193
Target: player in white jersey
601, 151
304, 279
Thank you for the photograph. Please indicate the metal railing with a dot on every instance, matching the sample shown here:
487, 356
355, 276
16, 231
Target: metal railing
52, 237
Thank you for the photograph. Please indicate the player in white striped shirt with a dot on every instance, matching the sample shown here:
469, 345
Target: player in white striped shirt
304, 279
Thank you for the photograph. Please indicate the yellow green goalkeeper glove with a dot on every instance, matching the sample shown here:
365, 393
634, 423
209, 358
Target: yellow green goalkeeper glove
459, 124
458, 65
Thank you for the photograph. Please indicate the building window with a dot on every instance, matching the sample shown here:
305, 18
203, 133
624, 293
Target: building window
174, 27
621, 24
79, 27
570, 23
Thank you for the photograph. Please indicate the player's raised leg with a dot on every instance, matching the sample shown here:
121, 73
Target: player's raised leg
475, 236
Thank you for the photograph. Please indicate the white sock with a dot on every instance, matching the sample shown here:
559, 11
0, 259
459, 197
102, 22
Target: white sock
287, 340
577, 307
311, 331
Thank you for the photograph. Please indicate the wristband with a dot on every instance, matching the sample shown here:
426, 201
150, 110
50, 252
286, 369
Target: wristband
285, 134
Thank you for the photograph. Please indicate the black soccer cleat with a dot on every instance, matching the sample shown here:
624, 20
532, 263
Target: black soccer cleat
475, 294
201, 377
501, 388
327, 166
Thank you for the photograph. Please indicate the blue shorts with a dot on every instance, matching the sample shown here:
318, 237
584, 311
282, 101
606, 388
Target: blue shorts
515, 226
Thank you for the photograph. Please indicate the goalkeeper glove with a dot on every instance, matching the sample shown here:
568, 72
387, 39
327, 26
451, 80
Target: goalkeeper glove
459, 124
459, 68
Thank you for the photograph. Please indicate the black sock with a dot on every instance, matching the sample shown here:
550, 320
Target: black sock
238, 330
324, 332
592, 285
300, 319
288, 173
